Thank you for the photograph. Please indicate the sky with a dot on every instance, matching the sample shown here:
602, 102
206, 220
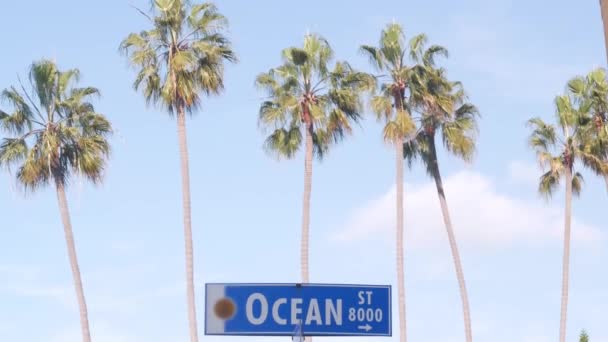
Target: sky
513, 57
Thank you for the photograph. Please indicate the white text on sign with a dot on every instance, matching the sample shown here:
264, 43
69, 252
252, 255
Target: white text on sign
332, 312
328, 314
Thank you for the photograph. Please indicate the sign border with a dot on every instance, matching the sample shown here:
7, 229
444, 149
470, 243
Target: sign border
295, 285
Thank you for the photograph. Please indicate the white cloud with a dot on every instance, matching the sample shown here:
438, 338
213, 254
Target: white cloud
480, 215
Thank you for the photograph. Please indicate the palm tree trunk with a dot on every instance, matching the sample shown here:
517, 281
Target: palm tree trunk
399, 241
185, 170
604, 9
566, 257
452, 239
69, 239
306, 206
304, 247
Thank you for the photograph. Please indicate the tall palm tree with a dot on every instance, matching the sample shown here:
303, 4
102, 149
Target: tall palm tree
308, 99
558, 148
179, 59
390, 58
55, 133
443, 110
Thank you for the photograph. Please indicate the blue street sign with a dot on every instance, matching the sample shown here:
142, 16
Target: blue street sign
281, 309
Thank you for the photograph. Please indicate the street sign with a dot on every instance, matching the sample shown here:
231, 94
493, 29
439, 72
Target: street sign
315, 309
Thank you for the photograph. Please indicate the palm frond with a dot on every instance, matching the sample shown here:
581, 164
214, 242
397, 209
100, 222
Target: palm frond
284, 142
323, 139
416, 148
578, 86
459, 137
205, 17
43, 75
398, 129
20, 119
405, 124
12, 151
594, 161
549, 182
577, 183
296, 56
391, 45
543, 137
430, 54
339, 124
417, 44
565, 112
374, 55
65, 78
382, 106
347, 100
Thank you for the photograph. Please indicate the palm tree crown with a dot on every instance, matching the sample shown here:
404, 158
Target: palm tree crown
592, 88
183, 54
305, 94
392, 56
56, 131
442, 108
558, 147
591, 94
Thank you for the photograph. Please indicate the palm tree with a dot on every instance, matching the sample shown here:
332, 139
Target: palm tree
392, 107
55, 133
558, 148
308, 99
443, 109
591, 92
179, 59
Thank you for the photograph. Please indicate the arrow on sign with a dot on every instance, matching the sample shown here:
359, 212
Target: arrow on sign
366, 327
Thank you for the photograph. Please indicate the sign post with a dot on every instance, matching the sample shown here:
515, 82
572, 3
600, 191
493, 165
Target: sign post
298, 309
298, 335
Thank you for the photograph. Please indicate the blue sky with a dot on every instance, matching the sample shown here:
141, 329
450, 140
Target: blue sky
513, 57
